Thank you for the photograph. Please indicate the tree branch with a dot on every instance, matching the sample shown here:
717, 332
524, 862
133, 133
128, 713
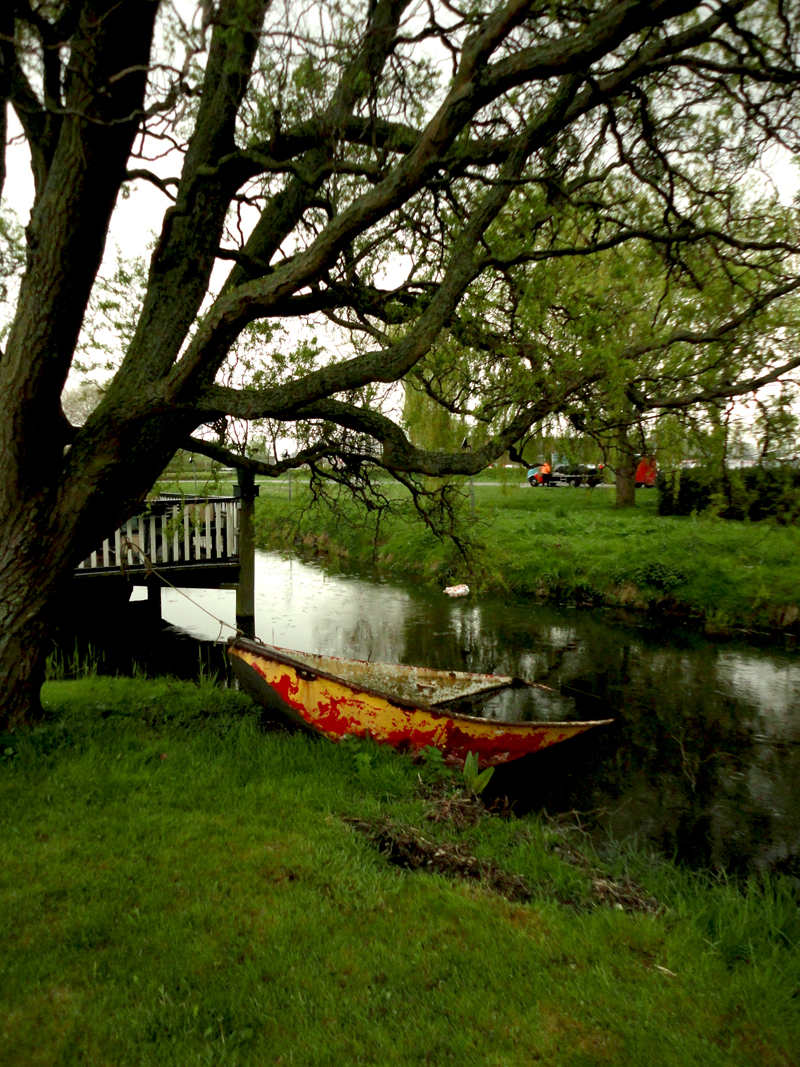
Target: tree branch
721, 332
213, 450
724, 391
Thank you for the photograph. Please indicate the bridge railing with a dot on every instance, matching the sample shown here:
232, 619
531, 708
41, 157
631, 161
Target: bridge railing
172, 530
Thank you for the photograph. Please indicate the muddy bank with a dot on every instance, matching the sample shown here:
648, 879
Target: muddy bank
763, 622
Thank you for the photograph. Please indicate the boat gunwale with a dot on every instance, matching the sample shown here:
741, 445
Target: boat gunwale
256, 648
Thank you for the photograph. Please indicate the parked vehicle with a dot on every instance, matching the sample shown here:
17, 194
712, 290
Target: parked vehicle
562, 475
646, 473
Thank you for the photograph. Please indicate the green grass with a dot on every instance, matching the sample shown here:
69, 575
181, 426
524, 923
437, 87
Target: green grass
572, 545
179, 887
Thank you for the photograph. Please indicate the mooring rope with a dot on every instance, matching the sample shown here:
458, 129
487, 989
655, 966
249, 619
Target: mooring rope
150, 568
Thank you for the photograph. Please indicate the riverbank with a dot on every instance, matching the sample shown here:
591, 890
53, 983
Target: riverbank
572, 546
179, 886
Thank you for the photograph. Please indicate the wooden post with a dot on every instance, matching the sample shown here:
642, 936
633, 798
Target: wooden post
247, 491
154, 597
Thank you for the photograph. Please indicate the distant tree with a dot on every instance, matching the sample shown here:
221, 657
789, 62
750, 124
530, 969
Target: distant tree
640, 333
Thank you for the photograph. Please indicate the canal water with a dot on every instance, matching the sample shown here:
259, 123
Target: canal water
701, 763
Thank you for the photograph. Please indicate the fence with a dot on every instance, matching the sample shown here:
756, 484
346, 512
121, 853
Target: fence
173, 530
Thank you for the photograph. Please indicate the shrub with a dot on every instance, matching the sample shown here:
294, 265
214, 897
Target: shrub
656, 573
754, 493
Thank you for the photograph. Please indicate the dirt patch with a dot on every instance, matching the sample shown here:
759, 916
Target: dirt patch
623, 894
785, 616
409, 848
456, 809
628, 595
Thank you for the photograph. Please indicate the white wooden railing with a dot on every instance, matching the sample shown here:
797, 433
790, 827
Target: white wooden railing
173, 530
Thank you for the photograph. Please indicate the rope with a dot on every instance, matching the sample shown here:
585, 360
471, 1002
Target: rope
151, 569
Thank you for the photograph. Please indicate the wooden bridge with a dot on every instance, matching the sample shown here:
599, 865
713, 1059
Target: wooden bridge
194, 542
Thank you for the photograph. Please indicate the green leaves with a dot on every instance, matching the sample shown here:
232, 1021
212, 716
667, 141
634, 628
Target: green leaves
474, 781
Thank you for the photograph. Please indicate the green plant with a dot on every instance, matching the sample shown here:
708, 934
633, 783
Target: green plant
475, 781
434, 769
78, 664
658, 574
363, 762
754, 493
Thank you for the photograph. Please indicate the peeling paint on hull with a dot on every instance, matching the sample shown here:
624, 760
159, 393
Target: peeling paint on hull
292, 686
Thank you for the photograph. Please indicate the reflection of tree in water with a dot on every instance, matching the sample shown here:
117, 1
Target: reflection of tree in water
680, 769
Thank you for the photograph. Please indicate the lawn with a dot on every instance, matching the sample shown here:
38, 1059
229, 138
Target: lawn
181, 886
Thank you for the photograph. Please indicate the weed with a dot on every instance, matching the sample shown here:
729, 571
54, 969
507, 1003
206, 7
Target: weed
433, 768
475, 781
654, 573
77, 664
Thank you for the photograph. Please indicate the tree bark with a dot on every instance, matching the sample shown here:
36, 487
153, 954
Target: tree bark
33, 576
625, 486
82, 166
625, 470
23, 658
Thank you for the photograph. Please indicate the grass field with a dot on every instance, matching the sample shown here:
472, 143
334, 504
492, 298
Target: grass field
572, 545
180, 887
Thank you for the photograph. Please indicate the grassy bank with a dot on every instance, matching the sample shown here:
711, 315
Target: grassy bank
180, 887
572, 545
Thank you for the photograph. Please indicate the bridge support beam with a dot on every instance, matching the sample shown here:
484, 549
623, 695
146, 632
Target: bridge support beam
154, 586
247, 491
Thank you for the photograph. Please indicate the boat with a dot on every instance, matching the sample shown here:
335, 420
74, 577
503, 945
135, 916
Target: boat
407, 707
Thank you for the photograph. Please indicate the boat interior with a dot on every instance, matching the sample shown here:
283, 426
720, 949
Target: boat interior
420, 685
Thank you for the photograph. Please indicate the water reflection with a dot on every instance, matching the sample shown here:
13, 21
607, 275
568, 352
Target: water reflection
702, 762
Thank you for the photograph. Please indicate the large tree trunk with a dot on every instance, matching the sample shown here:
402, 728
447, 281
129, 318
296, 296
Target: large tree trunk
24, 644
101, 482
625, 471
43, 537
626, 485
81, 163
33, 573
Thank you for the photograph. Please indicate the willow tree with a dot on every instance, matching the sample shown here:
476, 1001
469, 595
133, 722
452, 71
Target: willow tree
302, 148
666, 343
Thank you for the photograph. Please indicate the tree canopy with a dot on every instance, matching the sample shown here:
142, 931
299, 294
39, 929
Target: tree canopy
427, 178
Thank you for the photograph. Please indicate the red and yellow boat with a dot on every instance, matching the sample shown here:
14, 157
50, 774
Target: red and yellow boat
391, 703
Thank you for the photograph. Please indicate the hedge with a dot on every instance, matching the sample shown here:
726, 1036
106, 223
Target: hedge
752, 493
